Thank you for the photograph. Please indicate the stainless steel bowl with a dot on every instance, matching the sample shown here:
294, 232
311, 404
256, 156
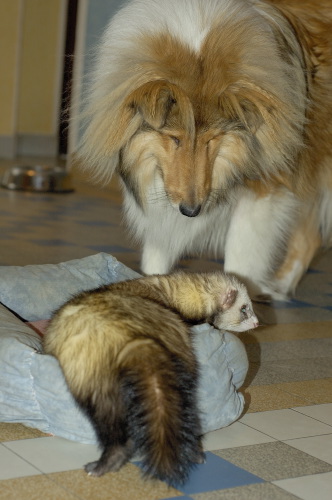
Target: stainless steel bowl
40, 178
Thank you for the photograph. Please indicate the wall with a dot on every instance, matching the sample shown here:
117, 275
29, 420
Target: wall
31, 61
10, 14
93, 17
31, 65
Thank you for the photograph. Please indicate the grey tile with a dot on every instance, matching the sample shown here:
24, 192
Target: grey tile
291, 349
262, 491
289, 370
302, 315
270, 316
258, 374
310, 348
268, 351
273, 461
295, 370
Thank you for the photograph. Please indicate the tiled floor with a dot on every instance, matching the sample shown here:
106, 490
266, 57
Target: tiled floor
281, 448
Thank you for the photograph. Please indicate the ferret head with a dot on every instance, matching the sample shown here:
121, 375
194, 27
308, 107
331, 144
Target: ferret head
235, 309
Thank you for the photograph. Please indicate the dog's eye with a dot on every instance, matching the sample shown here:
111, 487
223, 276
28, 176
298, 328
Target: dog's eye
216, 136
176, 140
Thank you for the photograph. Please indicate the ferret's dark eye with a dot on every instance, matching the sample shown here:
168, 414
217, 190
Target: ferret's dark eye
244, 310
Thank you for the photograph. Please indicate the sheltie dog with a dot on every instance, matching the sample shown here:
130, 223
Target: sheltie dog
217, 116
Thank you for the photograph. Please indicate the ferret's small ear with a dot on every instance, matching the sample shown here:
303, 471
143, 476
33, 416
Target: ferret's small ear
228, 299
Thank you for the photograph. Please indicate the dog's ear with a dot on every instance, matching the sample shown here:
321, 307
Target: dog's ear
159, 101
153, 101
242, 108
107, 131
111, 123
250, 115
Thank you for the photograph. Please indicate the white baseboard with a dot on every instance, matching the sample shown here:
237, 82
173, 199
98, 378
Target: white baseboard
37, 145
7, 146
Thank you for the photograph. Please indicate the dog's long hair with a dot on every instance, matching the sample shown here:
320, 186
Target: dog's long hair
219, 110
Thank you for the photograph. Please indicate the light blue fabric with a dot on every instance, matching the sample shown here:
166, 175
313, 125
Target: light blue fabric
32, 388
223, 367
34, 292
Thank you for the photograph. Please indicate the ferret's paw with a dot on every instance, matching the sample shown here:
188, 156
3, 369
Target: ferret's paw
201, 458
101, 467
111, 460
94, 469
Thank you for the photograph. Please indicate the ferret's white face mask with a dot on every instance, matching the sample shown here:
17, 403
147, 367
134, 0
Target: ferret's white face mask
237, 314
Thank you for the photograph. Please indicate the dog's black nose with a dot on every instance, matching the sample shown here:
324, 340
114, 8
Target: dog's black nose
190, 211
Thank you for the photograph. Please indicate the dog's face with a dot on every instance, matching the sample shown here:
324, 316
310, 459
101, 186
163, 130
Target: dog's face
189, 137
198, 155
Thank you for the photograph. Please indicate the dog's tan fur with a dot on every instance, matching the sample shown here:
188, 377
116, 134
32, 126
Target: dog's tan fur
250, 109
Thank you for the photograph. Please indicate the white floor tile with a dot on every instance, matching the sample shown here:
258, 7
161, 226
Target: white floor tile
323, 413
233, 436
317, 446
318, 486
54, 454
12, 466
285, 424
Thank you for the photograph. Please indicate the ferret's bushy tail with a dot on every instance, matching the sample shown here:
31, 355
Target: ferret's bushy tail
159, 394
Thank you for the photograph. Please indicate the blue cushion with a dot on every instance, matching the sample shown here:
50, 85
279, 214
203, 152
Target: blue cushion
32, 388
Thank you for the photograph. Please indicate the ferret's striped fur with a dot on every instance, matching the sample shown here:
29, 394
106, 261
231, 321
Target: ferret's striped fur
126, 352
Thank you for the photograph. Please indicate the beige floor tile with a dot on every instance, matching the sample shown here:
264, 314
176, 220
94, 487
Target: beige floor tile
261, 491
270, 397
313, 391
125, 484
13, 432
33, 488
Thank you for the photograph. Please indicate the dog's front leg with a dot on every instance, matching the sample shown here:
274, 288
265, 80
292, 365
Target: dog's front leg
156, 259
257, 238
162, 244
167, 236
155, 228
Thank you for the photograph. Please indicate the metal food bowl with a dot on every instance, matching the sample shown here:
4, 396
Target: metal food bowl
39, 178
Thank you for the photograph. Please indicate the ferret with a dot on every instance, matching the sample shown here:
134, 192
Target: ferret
126, 353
